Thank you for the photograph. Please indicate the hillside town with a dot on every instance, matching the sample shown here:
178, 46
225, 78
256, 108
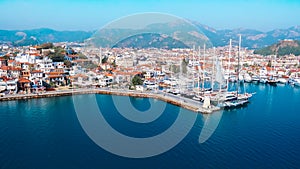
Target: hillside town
63, 66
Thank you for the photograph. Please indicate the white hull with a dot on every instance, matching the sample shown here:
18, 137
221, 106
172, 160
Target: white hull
263, 81
297, 84
3, 86
11, 87
282, 80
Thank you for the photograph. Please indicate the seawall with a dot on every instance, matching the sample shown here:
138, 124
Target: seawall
169, 98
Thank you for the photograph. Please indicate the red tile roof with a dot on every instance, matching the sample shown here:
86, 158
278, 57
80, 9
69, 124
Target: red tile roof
23, 80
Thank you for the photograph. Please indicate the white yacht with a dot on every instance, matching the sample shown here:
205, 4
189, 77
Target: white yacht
282, 80
247, 78
3, 86
11, 85
255, 78
296, 82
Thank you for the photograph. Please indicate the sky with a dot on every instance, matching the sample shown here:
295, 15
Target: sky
263, 15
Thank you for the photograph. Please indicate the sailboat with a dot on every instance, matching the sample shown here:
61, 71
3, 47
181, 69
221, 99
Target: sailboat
196, 96
241, 98
271, 80
201, 91
221, 94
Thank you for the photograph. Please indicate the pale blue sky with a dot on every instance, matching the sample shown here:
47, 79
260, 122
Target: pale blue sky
262, 15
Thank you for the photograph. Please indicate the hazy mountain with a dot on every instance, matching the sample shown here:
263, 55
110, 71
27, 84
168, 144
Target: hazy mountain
37, 36
187, 34
284, 47
178, 30
147, 40
252, 39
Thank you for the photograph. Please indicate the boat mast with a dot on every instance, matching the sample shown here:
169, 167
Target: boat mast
244, 87
229, 56
193, 67
238, 67
203, 68
213, 69
198, 69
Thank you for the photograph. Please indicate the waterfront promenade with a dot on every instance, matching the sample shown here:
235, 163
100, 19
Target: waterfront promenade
177, 100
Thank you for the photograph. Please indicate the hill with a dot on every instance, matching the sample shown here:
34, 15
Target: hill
178, 30
284, 47
43, 35
251, 39
150, 40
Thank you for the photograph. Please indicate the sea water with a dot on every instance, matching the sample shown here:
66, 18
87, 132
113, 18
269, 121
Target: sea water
46, 133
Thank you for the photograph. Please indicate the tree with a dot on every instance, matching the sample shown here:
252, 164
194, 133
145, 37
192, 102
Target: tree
81, 56
6, 57
246, 65
114, 64
175, 68
184, 66
104, 60
91, 66
46, 46
136, 80
68, 63
58, 55
269, 63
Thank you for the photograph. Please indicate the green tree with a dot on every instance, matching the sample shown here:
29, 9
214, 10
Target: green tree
81, 56
175, 68
184, 66
46, 46
269, 63
104, 60
136, 80
246, 65
91, 66
6, 57
68, 63
114, 64
58, 55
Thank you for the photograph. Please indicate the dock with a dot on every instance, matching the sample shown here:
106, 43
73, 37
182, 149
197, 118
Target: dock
183, 102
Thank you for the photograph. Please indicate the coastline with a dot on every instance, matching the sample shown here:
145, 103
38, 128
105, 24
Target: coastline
186, 103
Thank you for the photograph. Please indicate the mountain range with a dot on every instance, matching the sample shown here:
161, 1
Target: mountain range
42, 35
252, 39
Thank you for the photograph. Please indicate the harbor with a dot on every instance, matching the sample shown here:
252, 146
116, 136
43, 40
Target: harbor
183, 77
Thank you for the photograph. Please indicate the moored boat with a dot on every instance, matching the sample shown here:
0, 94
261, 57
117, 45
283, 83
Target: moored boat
247, 78
3, 86
255, 78
235, 103
272, 81
282, 80
297, 82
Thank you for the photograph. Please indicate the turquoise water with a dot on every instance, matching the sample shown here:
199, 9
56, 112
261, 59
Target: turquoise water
45, 133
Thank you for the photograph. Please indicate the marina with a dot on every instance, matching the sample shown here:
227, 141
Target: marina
198, 80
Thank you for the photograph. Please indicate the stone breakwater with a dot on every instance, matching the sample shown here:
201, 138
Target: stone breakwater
169, 98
